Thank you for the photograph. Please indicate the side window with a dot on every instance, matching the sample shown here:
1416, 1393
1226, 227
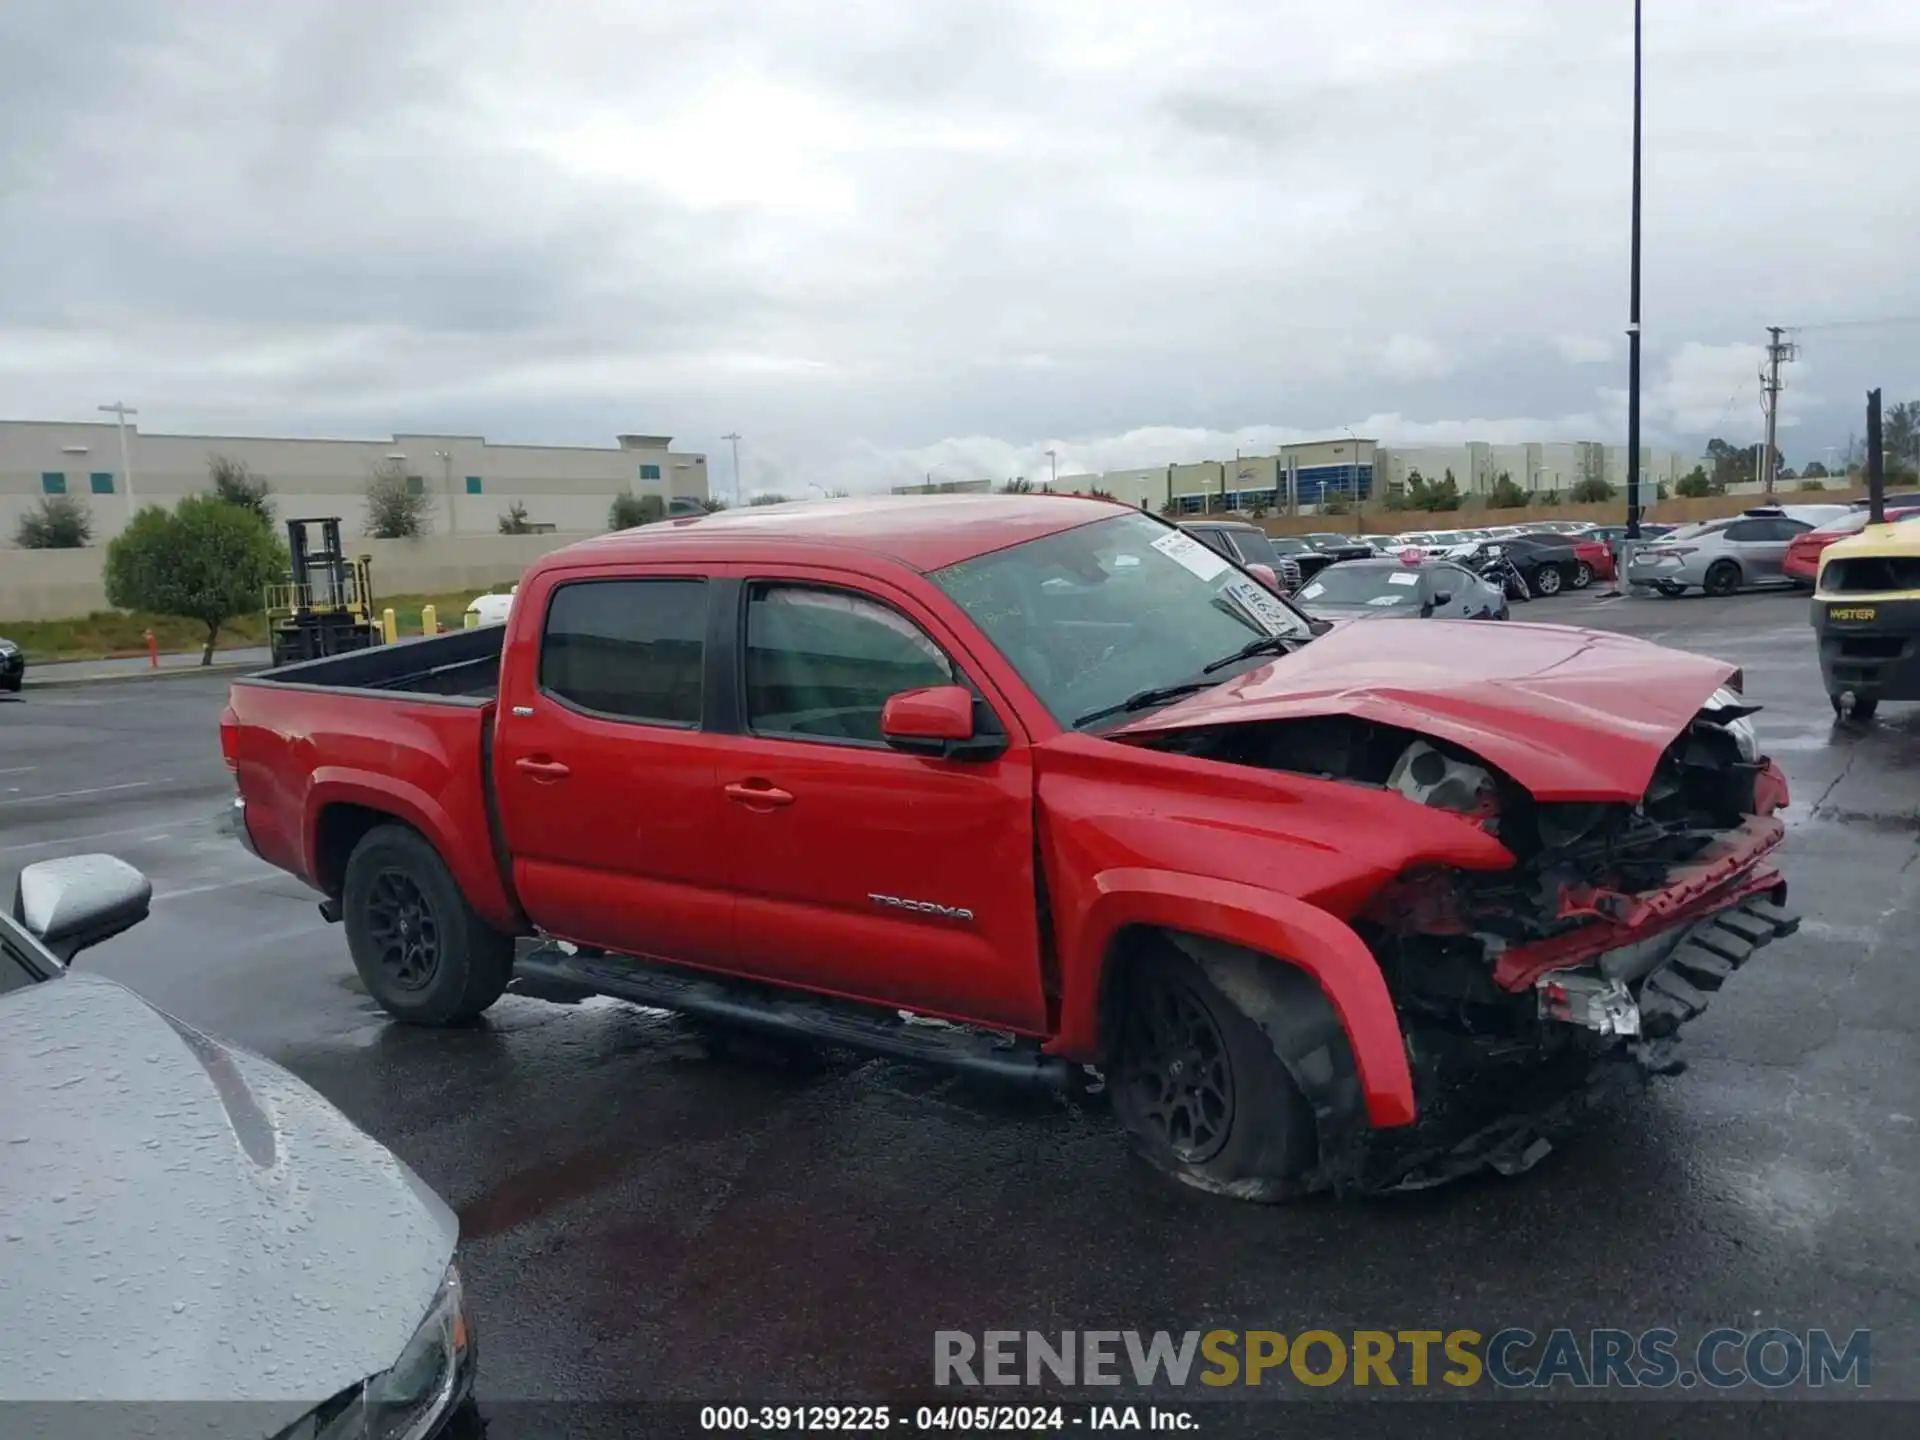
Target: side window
627, 649
1214, 540
1749, 530
821, 664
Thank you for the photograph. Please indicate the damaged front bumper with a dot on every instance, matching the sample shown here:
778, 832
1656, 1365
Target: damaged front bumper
1620, 1013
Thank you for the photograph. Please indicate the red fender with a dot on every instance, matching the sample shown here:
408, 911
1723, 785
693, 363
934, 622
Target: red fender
1254, 919
470, 862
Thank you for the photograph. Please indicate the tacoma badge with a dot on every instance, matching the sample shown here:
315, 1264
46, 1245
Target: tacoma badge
923, 907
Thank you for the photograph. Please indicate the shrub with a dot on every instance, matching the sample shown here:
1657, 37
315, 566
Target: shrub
395, 510
1505, 494
62, 522
513, 520
629, 510
1592, 491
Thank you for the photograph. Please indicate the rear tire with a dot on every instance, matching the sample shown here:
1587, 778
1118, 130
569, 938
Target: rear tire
421, 950
1723, 578
13, 683
1201, 1091
1546, 581
1582, 575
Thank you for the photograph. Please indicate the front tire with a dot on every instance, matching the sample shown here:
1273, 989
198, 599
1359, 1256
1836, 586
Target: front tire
1723, 578
421, 950
1201, 1091
13, 683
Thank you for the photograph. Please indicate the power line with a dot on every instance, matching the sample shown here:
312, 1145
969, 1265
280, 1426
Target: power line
1855, 324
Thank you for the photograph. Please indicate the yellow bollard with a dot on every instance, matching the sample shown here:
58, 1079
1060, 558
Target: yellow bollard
429, 621
389, 626
472, 618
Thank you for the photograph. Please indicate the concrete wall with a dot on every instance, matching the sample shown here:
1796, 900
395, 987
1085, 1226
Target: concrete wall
61, 584
567, 487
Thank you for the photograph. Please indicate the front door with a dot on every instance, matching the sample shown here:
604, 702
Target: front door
861, 870
609, 801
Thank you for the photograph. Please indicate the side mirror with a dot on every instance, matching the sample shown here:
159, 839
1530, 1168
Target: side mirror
1264, 574
75, 903
937, 722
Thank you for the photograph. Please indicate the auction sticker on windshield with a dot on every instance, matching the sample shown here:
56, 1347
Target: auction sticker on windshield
1190, 554
1403, 579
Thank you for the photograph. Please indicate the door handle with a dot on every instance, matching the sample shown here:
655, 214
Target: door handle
760, 793
541, 769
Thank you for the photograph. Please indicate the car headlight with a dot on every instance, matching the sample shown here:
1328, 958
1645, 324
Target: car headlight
1740, 727
406, 1401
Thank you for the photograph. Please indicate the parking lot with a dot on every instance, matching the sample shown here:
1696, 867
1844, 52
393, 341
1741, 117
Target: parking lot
648, 1218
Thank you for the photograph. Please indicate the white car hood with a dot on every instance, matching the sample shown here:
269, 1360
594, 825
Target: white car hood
180, 1220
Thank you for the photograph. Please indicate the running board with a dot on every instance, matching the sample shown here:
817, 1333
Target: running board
549, 973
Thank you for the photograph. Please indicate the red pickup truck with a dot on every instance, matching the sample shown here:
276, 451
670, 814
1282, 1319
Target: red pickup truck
1042, 787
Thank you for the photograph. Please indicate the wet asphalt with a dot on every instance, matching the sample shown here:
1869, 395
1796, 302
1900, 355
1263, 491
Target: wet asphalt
648, 1216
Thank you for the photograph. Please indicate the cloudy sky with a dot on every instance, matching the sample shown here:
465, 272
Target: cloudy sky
886, 237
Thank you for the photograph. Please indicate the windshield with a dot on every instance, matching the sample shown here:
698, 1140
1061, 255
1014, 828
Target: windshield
1378, 586
1094, 615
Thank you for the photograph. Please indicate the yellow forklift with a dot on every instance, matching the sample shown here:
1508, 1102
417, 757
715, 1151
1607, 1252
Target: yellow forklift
325, 605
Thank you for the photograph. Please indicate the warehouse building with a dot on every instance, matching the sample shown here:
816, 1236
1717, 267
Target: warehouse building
472, 481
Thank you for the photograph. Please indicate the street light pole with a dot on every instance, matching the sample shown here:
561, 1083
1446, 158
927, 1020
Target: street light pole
120, 413
445, 458
732, 437
1633, 315
1053, 470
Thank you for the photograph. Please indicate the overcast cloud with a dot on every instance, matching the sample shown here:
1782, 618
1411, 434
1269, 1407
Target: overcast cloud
887, 237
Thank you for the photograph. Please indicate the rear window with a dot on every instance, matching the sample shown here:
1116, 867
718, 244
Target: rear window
627, 649
1377, 586
1871, 574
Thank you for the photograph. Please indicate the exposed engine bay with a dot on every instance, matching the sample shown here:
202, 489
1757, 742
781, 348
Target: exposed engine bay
1516, 989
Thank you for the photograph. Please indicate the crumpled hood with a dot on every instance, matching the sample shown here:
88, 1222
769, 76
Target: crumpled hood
180, 1220
1571, 714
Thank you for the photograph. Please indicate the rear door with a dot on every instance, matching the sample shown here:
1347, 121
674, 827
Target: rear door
1760, 545
861, 870
609, 800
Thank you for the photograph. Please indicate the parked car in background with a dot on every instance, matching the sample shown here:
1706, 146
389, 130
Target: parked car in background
13, 666
1548, 564
243, 1240
491, 608
1338, 547
1802, 565
1388, 589
1721, 556
1290, 558
1593, 560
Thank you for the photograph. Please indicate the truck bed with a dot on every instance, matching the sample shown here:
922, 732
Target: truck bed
463, 663
324, 749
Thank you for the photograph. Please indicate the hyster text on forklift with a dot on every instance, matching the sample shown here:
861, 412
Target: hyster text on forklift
325, 605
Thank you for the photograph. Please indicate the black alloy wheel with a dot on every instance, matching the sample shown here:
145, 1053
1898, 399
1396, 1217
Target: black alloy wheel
1723, 578
1176, 1071
404, 930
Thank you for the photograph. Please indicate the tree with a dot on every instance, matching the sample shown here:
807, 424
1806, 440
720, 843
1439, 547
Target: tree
235, 483
1335, 504
1504, 494
1735, 465
1810, 485
1019, 485
62, 522
1170, 509
513, 520
712, 505
1659, 490
1813, 470
1431, 495
1694, 485
207, 560
1592, 491
395, 510
1900, 433
770, 497
629, 510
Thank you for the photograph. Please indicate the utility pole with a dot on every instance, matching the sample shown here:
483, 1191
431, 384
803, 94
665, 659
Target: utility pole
120, 413
1777, 351
733, 438
445, 457
1633, 314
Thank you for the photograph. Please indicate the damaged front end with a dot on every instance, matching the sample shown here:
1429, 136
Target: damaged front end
1527, 996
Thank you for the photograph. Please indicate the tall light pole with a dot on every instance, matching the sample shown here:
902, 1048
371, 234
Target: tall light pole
445, 457
1053, 470
1633, 314
733, 438
120, 413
